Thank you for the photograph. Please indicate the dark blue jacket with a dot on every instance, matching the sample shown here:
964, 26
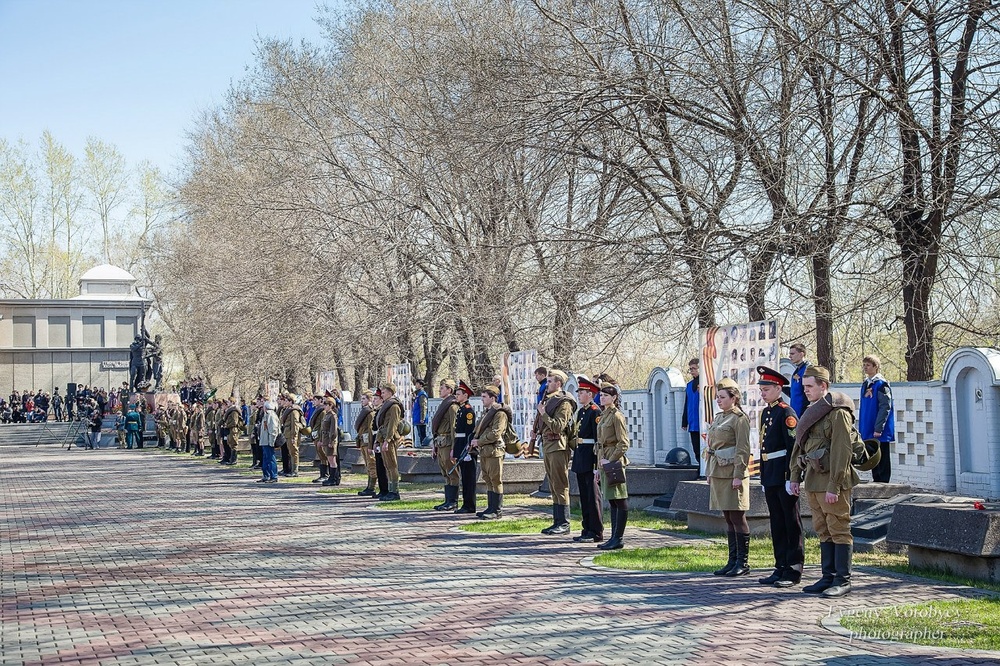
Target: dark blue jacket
691, 419
420, 407
797, 397
541, 391
875, 413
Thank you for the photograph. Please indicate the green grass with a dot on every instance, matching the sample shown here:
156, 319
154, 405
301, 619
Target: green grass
902, 567
515, 526
422, 504
967, 624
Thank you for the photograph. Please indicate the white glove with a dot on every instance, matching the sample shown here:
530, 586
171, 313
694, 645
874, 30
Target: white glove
788, 487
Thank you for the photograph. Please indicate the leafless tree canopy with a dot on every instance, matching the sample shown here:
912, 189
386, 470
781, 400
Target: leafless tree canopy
440, 181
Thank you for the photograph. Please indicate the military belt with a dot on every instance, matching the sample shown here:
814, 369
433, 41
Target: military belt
772, 455
587, 440
461, 435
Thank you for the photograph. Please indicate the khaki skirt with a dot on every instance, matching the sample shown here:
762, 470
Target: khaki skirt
723, 497
614, 491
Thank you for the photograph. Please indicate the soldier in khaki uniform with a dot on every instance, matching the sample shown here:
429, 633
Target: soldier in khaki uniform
232, 421
555, 413
443, 436
195, 427
388, 439
365, 439
329, 441
292, 423
211, 419
488, 440
824, 448
315, 426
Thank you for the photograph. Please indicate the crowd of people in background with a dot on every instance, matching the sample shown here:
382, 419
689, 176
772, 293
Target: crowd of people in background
39, 406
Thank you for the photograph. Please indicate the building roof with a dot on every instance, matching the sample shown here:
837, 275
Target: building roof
107, 273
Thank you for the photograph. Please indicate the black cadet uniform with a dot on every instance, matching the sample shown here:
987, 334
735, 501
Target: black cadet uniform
584, 464
465, 425
777, 437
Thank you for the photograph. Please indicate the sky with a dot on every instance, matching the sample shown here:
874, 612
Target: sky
134, 73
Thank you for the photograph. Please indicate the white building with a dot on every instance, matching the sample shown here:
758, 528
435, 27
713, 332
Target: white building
46, 343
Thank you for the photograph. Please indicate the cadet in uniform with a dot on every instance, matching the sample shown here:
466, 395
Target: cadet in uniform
727, 467
612, 443
363, 427
585, 461
233, 422
555, 412
197, 425
329, 441
443, 434
315, 426
488, 441
210, 426
387, 438
823, 451
462, 452
292, 423
777, 438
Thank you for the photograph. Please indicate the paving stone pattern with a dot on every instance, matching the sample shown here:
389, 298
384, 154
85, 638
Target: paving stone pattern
130, 557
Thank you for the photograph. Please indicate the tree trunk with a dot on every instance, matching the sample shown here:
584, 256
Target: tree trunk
823, 307
918, 237
760, 274
564, 329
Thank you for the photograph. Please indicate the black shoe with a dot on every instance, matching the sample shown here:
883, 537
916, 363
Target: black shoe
367, 492
789, 577
587, 535
290, 474
263, 480
614, 543
275, 480
773, 578
465, 509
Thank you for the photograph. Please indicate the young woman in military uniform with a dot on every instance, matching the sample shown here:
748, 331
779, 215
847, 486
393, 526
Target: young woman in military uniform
365, 438
727, 468
612, 443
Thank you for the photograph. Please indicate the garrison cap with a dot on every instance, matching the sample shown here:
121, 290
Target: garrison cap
450, 383
769, 376
558, 374
727, 384
492, 390
818, 372
389, 386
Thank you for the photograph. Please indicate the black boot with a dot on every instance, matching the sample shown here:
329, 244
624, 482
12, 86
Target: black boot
450, 502
842, 567
790, 576
489, 505
335, 473
620, 519
369, 490
774, 577
323, 474
732, 556
493, 507
499, 506
742, 566
561, 520
829, 569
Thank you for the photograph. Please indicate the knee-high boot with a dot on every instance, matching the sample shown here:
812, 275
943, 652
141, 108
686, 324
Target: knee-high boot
842, 570
827, 559
732, 556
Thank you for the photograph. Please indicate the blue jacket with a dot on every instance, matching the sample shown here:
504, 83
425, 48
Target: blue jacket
691, 419
541, 391
796, 396
133, 421
420, 407
875, 413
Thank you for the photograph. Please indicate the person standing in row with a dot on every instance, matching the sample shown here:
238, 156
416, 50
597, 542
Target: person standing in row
388, 438
133, 428
270, 428
211, 420
363, 428
796, 396
292, 423
329, 441
380, 473
443, 434
555, 413
777, 438
584, 464
462, 453
612, 444
488, 441
824, 448
690, 418
419, 417
727, 455
315, 426
196, 428
875, 417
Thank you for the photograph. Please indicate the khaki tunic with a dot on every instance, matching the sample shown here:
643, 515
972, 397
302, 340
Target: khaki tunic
555, 446
832, 433
365, 439
491, 448
612, 443
444, 440
728, 458
328, 435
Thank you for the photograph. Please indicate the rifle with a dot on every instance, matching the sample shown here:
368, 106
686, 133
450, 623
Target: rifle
458, 460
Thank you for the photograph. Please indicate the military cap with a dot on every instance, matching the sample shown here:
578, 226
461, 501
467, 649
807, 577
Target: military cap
377, 393
727, 384
389, 386
367, 393
450, 383
584, 384
769, 376
462, 386
492, 390
610, 389
818, 372
558, 374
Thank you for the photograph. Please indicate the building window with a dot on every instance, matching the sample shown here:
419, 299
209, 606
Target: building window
93, 331
58, 332
24, 331
125, 331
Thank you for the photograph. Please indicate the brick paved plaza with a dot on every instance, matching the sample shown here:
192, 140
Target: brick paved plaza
132, 557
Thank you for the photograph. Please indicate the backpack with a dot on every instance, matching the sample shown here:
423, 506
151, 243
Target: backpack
511, 442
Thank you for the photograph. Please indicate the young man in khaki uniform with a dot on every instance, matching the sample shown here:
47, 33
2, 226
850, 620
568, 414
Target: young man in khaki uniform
443, 436
488, 440
387, 439
292, 423
824, 448
555, 413
365, 440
